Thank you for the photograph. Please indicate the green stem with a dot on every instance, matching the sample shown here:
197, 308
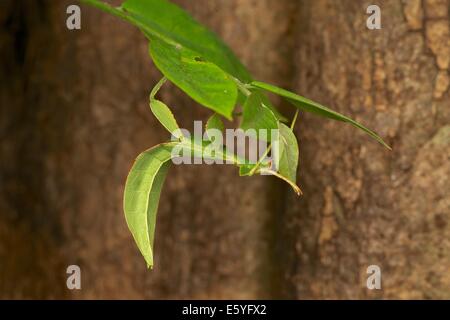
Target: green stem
294, 120
242, 87
258, 164
157, 87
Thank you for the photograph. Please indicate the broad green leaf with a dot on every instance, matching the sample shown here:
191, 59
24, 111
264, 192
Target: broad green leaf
165, 20
214, 126
256, 115
285, 153
314, 107
163, 113
266, 101
288, 152
214, 122
161, 19
141, 196
201, 80
143, 189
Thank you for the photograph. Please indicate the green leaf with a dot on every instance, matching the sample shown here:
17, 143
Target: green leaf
163, 20
141, 196
168, 22
288, 152
201, 80
266, 101
314, 107
143, 189
165, 117
163, 113
214, 122
285, 153
246, 169
256, 115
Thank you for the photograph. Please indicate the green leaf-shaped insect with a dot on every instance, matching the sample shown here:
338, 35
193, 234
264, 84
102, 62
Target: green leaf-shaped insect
199, 63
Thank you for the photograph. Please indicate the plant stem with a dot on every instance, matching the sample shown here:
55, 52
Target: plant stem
157, 87
258, 164
296, 188
242, 87
294, 120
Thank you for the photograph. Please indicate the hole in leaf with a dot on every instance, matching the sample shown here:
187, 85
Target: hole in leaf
199, 59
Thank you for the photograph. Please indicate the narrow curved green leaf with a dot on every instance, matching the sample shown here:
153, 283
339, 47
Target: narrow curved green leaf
201, 80
314, 107
141, 196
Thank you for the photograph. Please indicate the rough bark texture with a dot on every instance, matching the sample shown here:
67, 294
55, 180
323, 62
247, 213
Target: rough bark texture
74, 115
364, 205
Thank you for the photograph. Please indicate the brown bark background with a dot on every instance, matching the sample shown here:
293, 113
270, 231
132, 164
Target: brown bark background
74, 115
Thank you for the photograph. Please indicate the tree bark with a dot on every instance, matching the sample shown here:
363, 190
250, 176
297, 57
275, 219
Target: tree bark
364, 205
